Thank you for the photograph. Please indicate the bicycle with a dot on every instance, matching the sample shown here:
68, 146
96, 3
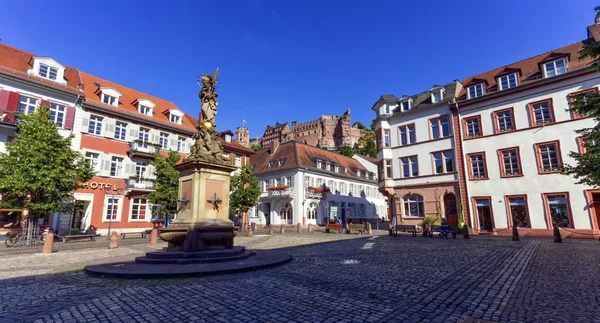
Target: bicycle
20, 239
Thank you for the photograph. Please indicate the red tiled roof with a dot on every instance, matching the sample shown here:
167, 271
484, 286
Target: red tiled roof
127, 102
530, 69
18, 62
300, 155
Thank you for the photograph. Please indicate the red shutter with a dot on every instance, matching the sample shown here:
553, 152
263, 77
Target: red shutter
9, 101
46, 103
70, 118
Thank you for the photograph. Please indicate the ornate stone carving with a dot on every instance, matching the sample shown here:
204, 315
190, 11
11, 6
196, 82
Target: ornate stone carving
207, 147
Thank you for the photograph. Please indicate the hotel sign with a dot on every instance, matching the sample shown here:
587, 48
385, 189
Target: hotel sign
98, 185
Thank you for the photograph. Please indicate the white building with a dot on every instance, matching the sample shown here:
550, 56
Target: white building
517, 132
416, 153
304, 184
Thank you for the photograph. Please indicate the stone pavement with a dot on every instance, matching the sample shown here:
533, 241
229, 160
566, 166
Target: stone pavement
333, 278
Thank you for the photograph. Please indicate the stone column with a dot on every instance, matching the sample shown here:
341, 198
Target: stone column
154, 236
114, 241
48, 244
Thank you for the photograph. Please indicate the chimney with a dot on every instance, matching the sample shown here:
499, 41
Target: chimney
273, 148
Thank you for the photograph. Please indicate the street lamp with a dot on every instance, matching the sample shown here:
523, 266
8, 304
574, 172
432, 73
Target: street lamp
112, 204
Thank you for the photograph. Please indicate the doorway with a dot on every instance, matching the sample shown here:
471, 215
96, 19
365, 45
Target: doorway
451, 210
343, 212
596, 207
484, 213
267, 212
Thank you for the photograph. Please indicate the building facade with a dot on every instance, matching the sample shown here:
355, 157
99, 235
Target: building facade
329, 131
307, 185
509, 131
416, 154
117, 129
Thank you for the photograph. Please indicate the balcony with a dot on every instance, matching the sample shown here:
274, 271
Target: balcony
140, 184
310, 194
273, 192
142, 149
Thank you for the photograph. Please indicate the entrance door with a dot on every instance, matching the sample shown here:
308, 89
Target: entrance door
485, 215
450, 207
343, 212
267, 210
596, 206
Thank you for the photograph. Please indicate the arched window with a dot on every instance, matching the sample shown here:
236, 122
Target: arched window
311, 213
413, 206
286, 212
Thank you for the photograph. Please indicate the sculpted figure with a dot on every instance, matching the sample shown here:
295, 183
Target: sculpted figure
208, 96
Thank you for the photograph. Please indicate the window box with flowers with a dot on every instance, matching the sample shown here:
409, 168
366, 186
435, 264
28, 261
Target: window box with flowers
318, 189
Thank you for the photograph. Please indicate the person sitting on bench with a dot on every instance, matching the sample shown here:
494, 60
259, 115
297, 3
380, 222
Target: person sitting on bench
444, 228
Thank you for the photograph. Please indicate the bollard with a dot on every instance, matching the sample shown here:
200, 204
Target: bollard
48, 244
249, 233
369, 229
270, 229
281, 229
515, 233
310, 227
114, 241
424, 227
557, 237
299, 227
466, 232
154, 236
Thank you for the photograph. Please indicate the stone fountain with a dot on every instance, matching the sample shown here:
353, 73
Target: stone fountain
202, 232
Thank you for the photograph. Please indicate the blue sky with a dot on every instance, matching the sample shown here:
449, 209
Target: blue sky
290, 60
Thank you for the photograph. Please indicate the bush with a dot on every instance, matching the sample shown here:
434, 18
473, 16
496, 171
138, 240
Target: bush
431, 221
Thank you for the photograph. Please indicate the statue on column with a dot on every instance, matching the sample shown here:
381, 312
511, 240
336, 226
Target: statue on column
207, 146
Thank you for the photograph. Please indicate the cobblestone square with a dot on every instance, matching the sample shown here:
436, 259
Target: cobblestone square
333, 278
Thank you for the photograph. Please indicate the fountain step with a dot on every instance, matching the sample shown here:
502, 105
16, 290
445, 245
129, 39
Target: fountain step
185, 261
220, 253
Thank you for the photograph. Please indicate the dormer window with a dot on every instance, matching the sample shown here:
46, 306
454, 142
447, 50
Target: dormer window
507, 81
177, 120
227, 136
331, 167
475, 91
48, 72
281, 162
145, 110
107, 99
387, 109
110, 96
48, 68
556, 67
318, 164
436, 96
271, 163
406, 105
145, 106
175, 116
358, 172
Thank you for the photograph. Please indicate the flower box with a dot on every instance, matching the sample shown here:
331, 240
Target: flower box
278, 188
318, 189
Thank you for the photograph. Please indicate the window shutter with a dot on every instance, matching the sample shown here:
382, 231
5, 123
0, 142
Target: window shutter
133, 132
85, 121
105, 165
109, 127
70, 118
155, 138
128, 171
173, 144
150, 171
10, 102
45, 102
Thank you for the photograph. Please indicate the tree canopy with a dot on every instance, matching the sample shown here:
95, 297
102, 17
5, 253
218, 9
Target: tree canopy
587, 163
244, 190
347, 151
359, 125
40, 171
166, 184
255, 147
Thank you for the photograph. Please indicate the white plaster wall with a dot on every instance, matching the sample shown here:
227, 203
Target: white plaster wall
531, 184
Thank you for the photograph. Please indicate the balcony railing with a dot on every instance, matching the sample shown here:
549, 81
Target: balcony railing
284, 192
310, 194
8, 117
140, 184
143, 148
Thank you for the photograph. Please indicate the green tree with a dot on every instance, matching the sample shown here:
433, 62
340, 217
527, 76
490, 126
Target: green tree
373, 122
244, 190
166, 184
359, 125
255, 147
369, 149
587, 165
40, 170
347, 151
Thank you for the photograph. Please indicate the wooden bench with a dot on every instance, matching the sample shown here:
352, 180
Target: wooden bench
360, 228
451, 230
124, 234
333, 226
406, 228
66, 238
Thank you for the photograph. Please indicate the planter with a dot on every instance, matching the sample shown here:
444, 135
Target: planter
158, 223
